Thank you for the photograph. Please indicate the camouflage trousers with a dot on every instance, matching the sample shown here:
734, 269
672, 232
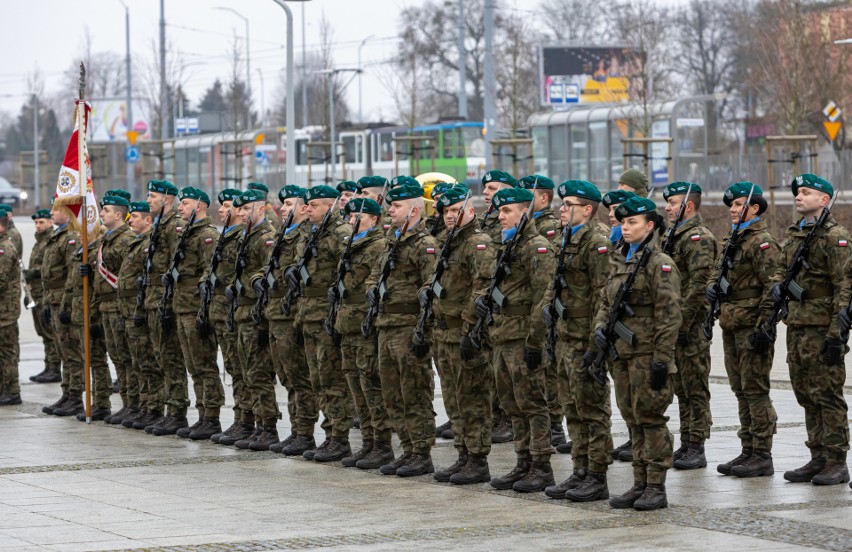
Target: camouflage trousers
145, 388
552, 374
101, 379
644, 411
468, 384
201, 363
523, 395
170, 359
360, 357
253, 350
63, 345
52, 358
748, 375
819, 390
587, 409
328, 379
10, 356
227, 341
115, 336
290, 363
408, 388
692, 388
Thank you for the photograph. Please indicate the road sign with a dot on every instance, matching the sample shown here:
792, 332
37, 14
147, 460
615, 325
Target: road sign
131, 154
132, 135
832, 112
832, 128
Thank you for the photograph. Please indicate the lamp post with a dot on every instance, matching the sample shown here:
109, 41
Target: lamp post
129, 87
248, 55
262, 99
331, 126
360, 74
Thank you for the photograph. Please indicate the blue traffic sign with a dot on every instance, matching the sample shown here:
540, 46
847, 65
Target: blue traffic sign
131, 154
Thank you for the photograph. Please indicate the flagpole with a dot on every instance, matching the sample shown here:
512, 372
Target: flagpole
84, 234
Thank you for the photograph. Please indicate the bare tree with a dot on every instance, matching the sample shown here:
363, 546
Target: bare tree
149, 82
105, 72
517, 95
583, 22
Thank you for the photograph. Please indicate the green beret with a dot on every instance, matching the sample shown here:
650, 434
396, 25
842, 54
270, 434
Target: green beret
238, 201
228, 194
636, 179
680, 188
738, 190
499, 176
140, 207
6, 208
461, 186
321, 192
194, 193
616, 197
162, 187
347, 186
291, 190
439, 188
259, 186
121, 193
507, 196
450, 197
635, 206
369, 205
43, 214
372, 182
814, 182
250, 196
544, 183
408, 190
118, 201
579, 188
404, 180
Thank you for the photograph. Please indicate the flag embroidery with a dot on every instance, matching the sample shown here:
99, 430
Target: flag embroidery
72, 242
542, 250
2, 251
430, 250
179, 229
603, 249
842, 243
696, 237
764, 245
386, 226
666, 268
551, 233
481, 246
269, 243
208, 240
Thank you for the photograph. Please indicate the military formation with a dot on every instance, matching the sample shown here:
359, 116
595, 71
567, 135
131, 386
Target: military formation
531, 316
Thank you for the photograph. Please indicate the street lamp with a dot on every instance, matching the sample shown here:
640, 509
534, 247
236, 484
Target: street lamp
331, 73
248, 55
262, 100
129, 100
360, 73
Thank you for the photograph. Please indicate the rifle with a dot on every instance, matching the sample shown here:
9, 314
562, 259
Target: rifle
172, 275
484, 220
145, 280
388, 267
669, 242
210, 282
236, 286
29, 302
559, 284
493, 296
435, 288
268, 278
614, 328
722, 285
308, 253
343, 267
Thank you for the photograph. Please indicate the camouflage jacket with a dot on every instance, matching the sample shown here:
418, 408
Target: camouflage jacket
313, 306
58, 253
655, 300
109, 257
353, 307
532, 266
695, 251
162, 258
490, 224
414, 264
435, 225
587, 265
279, 286
260, 242
33, 274
219, 304
827, 258
548, 224
10, 281
272, 217
199, 245
73, 297
754, 264
15, 237
130, 272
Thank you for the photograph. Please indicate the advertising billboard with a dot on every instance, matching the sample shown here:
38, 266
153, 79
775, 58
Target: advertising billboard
108, 120
573, 74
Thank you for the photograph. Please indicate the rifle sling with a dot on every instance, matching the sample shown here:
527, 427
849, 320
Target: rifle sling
399, 308
818, 292
56, 283
514, 310
579, 312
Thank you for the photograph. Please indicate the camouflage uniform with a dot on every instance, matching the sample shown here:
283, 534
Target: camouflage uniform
547, 223
435, 225
58, 255
490, 224
10, 310
14, 236
33, 276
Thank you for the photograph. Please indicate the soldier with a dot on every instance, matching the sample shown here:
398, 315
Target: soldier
641, 372
372, 187
815, 349
33, 277
270, 211
347, 189
634, 180
404, 367
585, 403
10, 310
14, 235
743, 306
435, 225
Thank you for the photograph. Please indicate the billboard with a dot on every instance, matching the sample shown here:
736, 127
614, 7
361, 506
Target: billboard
108, 120
572, 74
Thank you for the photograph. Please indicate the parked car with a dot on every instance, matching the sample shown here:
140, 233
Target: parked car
10, 195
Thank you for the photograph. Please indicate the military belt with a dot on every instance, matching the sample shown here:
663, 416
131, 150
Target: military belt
127, 293
315, 292
111, 296
818, 292
54, 284
747, 293
646, 311
277, 293
184, 284
399, 308
514, 310
449, 323
246, 301
579, 312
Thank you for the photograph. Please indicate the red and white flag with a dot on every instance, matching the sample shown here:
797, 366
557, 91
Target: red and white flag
69, 191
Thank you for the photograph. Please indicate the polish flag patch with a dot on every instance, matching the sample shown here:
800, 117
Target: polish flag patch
666, 268
208, 241
543, 250
481, 247
842, 243
269, 243
430, 250
179, 229
695, 237
764, 245
603, 249
2, 251
386, 226
551, 233
72, 242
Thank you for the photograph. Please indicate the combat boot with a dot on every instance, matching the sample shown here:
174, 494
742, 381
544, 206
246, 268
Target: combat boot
234, 426
248, 439
172, 426
381, 454
337, 449
627, 500
692, 459
279, 446
72, 407
573, 481
654, 498
806, 472
210, 427
50, 408
758, 464
537, 479
145, 419
98, 413
36, 377
725, 469
310, 453
184, 432
557, 434
299, 445
442, 428
131, 416
443, 476
50, 375
592, 488
10, 399
624, 447
351, 460
401, 460
419, 464
244, 431
156, 421
474, 471
118, 415
502, 431
565, 448
684, 446
522, 467
834, 473
269, 436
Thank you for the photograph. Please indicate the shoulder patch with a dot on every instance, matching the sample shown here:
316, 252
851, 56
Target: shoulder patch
430, 250
386, 226
764, 245
208, 241
603, 249
842, 243
695, 237
178, 229
72, 242
542, 250
2, 251
666, 268
269, 243
551, 233
481, 246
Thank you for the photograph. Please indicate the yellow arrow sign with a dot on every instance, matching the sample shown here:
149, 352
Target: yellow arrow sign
832, 128
132, 135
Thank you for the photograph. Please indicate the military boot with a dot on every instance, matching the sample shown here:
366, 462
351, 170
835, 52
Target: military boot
50, 375
98, 414
381, 454
299, 445
502, 431
145, 419
725, 469
36, 377
248, 439
310, 453
474, 471
72, 407
279, 446
10, 399
624, 447
171, 427
156, 421
210, 427
390, 468
565, 448
131, 416
684, 446
234, 426
537, 479
653, 498
834, 473
337, 449
351, 460
758, 464
244, 431
627, 500
557, 434
594, 487
184, 432
692, 459
522, 467
419, 464
118, 415
442, 428
806, 472
573, 481
49, 408
269, 436
443, 476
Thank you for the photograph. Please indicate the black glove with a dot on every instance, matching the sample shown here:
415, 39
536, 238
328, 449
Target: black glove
482, 308
761, 340
419, 350
259, 287
167, 318
775, 293
291, 276
532, 357
204, 329
373, 296
263, 338
230, 292
332, 295
85, 270
140, 282
548, 314
424, 297
588, 360
139, 320
96, 332
600, 338
336, 338
844, 321
659, 375
832, 351
64, 317
298, 336
166, 280
468, 349
712, 295
46, 316
682, 339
